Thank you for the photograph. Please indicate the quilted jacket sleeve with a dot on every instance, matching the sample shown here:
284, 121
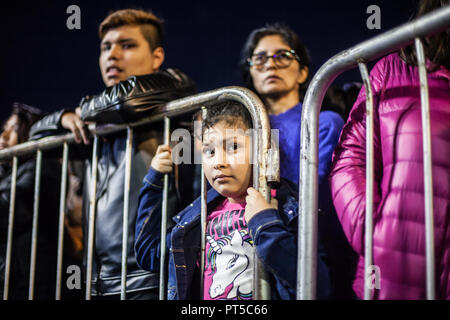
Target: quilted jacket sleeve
137, 97
48, 126
348, 169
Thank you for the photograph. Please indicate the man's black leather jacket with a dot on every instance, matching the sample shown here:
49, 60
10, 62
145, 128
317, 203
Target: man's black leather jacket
127, 101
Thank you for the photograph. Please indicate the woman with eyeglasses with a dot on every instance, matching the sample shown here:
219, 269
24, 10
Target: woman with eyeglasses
275, 64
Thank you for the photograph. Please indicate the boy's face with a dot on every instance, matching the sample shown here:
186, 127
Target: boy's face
124, 52
226, 160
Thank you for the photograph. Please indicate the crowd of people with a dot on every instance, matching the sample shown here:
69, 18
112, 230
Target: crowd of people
276, 66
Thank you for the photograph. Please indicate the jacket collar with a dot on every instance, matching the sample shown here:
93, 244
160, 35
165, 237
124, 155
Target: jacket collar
189, 213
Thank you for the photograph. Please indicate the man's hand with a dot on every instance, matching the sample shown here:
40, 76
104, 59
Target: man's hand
256, 203
162, 161
72, 122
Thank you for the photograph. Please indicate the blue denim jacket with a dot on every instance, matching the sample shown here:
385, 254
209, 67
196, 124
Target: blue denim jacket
274, 233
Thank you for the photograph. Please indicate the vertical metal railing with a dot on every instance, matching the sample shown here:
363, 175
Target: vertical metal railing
62, 214
92, 212
372, 49
308, 188
260, 149
368, 236
427, 171
203, 220
126, 209
165, 200
12, 204
34, 234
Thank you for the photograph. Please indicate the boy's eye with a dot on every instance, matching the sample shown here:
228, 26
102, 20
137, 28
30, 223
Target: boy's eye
232, 147
128, 45
209, 152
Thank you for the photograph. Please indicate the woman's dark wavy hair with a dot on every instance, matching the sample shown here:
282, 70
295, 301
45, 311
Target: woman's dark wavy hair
289, 37
27, 116
437, 47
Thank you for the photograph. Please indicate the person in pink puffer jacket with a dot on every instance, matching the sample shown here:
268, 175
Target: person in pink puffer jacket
399, 208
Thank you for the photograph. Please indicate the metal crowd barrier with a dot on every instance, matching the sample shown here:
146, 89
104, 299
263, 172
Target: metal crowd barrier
358, 55
261, 172
308, 195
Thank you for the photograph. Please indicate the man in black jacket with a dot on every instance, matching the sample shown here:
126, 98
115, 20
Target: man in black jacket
130, 59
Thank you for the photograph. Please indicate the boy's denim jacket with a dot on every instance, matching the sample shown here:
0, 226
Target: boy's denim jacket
274, 234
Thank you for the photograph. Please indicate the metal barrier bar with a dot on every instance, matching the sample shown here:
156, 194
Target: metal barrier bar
260, 122
12, 207
34, 234
177, 107
368, 236
62, 214
165, 199
203, 219
92, 211
126, 209
203, 226
427, 171
390, 41
260, 277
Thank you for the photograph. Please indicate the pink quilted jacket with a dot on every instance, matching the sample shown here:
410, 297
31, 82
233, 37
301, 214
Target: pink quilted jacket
399, 234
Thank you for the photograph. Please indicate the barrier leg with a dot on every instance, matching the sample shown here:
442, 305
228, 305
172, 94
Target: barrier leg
92, 210
427, 172
126, 209
368, 240
12, 203
37, 190
62, 212
165, 197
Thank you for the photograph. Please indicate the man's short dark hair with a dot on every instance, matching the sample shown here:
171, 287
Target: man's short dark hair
151, 26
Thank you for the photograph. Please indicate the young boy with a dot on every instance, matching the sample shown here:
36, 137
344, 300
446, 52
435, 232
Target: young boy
238, 218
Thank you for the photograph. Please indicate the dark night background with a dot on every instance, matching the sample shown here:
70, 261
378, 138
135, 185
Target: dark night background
42, 63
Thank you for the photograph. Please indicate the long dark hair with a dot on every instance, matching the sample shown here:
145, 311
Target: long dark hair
289, 37
27, 116
437, 47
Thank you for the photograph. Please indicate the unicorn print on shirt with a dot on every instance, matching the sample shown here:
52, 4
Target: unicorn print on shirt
231, 261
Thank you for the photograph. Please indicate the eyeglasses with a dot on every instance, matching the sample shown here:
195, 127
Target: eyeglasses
282, 59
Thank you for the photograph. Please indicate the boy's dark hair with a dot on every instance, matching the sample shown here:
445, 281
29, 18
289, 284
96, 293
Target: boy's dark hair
151, 26
289, 37
27, 116
232, 112
437, 47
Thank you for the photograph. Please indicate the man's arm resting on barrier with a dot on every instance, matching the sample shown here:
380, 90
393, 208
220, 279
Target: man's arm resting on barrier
61, 122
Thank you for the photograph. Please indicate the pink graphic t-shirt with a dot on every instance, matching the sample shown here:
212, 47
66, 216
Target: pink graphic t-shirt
228, 254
